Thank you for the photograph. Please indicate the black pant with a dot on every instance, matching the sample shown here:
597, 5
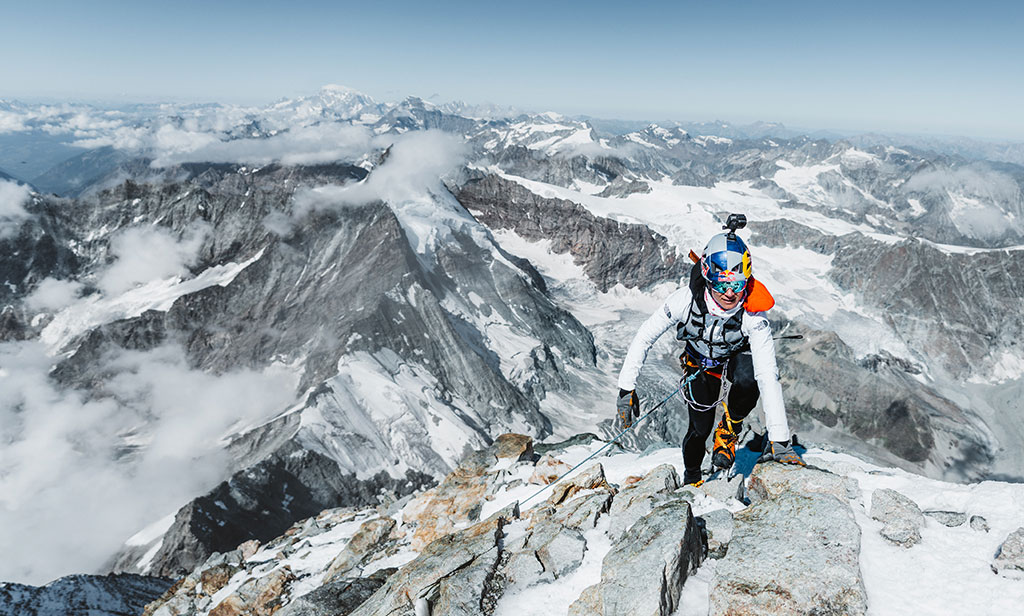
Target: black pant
705, 389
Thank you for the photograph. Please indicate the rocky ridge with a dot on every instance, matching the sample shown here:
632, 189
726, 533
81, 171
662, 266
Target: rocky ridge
591, 544
110, 595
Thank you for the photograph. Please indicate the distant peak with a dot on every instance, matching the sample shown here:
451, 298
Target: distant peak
340, 89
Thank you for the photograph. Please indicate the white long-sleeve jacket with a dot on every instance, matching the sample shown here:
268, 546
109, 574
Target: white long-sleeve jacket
754, 326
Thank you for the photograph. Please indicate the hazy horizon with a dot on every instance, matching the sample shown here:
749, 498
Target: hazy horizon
945, 69
804, 129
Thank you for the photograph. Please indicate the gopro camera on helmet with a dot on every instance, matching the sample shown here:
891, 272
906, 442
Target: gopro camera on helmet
735, 221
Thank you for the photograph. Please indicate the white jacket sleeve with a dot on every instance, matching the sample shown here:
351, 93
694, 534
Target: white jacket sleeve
762, 351
671, 312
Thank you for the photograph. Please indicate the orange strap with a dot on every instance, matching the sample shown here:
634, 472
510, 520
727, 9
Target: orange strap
758, 299
685, 360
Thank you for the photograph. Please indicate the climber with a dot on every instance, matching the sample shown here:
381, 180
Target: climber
720, 315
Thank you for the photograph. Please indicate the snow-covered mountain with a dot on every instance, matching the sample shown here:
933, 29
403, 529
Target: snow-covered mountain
234, 318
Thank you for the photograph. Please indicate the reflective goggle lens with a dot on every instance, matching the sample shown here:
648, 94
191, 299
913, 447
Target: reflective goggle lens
736, 285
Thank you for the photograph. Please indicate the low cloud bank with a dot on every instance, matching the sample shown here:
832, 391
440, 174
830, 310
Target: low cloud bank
302, 146
985, 203
13, 197
415, 164
78, 476
143, 254
51, 295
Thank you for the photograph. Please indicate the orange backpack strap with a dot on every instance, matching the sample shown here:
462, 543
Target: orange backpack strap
694, 257
759, 299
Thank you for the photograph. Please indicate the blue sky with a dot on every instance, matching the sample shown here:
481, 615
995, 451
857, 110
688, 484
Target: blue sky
937, 67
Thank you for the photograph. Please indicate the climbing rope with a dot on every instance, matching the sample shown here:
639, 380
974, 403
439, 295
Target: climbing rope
683, 383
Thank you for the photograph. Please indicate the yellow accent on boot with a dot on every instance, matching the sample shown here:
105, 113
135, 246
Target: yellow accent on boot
723, 453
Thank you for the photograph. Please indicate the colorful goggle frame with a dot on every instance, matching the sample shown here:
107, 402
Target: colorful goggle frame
723, 285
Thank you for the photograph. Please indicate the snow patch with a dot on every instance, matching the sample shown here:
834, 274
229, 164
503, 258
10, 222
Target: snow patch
96, 310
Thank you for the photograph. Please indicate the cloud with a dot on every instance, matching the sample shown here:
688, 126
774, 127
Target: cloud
143, 254
975, 181
415, 165
12, 122
51, 295
301, 146
78, 475
984, 203
13, 197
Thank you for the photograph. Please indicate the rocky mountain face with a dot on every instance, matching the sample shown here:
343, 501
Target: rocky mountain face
339, 283
609, 252
949, 303
110, 595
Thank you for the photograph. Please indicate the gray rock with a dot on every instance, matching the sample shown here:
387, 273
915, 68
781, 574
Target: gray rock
644, 572
549, 550
769, 480
592, 478
563, 552
623, 188
795, 554
979, 523
638, 499
524, 568
560, 446
720, 488
948, 518
583, 512
363, 545
261, 596
339, 597
901, 518
1010, 557
452, 571
719, 526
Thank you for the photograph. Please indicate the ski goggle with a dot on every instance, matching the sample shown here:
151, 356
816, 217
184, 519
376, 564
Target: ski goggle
737, 286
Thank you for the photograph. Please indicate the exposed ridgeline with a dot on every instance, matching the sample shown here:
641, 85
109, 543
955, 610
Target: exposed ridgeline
622, 536
111, 595
610, 252
402, 358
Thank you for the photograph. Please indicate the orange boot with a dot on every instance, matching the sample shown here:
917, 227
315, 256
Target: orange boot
723, 454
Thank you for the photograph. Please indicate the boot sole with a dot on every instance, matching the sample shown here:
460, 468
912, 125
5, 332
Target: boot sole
721, 461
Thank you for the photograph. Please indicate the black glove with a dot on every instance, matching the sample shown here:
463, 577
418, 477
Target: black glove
627, 408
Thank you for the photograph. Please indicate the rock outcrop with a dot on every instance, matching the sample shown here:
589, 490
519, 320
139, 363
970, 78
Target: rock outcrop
1009, 560
665, 545
792, 554
901, 517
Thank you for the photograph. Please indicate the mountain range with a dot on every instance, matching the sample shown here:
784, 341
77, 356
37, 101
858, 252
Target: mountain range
222, 321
